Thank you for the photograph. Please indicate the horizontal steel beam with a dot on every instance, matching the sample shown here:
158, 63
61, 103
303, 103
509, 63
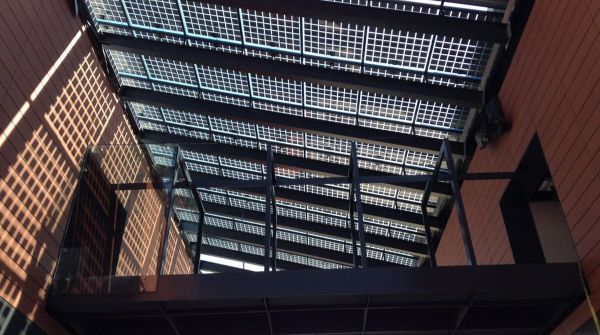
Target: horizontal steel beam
379, 17
287, 246
414, 248
285, 121
258, 156
322, 76
325, 201
494, 299
249, 258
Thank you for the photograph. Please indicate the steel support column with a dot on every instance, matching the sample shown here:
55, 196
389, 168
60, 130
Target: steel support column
458, 205
164, 239
201, 212
351, 209
270, 214
359, 206
424, 201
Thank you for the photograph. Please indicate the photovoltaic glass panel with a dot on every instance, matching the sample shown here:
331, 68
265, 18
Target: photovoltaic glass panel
388, 126
232, 100
171, 71
160, 15
275, 89
127, 63
232, 127
439, 134
213, 22
278, 135
146, 111
380, 153
442, 115
459, 56
388, 107
271, 30
175, 89
107, 10
330, 116
333, 40
147, 125
331, 98
185, 118
134, 82
223, 80
202, 168
397, 49
277, 108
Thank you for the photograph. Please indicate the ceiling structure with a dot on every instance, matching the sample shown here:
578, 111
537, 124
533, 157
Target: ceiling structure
227, 78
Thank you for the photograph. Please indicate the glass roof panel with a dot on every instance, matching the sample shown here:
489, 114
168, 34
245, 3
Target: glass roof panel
156, 15
212, 22
271, 31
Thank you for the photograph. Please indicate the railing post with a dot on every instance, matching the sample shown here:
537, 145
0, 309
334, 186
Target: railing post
273, 214
164, 236
458, 205
198, 200
424, 202
269, 183
351, 216
359, 210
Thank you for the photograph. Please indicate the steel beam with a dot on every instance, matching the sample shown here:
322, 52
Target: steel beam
380, 17
413, 248
310, 74
285, 121
503, 299
414, 183
291, 247
325, 201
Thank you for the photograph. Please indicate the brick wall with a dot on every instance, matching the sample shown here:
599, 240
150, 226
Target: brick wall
552, 89
54, 101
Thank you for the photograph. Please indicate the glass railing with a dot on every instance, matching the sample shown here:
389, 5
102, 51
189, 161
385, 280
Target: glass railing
120, 216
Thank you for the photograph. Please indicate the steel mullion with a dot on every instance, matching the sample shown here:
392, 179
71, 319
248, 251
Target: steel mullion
424, 213
164, 241
459, 206
268, 215
274, 209
351, 208
359, 207
193, 188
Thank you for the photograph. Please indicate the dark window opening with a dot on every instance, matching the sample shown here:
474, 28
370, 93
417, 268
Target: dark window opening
535, 222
